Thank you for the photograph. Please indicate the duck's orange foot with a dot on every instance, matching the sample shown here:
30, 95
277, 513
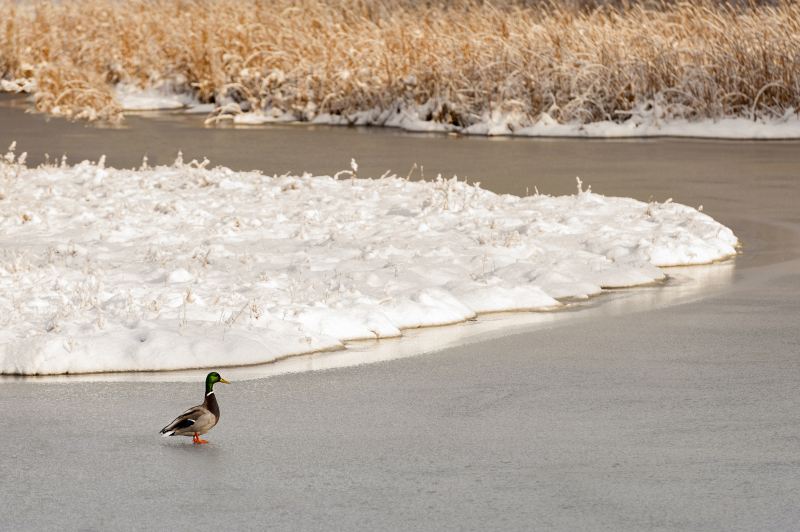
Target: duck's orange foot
196, 439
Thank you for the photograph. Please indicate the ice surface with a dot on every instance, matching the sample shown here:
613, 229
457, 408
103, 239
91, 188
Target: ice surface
186, 266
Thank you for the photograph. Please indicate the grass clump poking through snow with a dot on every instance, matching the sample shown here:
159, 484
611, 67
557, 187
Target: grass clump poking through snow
189, 266
493, 67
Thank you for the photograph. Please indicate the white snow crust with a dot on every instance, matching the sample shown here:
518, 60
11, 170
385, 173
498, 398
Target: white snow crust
132, 98
187, 266
26, 85
647, 121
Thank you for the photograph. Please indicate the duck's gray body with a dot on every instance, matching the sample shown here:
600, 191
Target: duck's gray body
197, 420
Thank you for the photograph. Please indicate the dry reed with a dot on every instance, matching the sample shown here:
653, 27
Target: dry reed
459, 59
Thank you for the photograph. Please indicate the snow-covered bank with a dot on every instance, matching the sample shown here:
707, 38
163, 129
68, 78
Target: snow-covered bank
648, 121
186, 266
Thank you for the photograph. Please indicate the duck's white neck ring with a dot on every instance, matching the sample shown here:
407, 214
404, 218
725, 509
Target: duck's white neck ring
210, 393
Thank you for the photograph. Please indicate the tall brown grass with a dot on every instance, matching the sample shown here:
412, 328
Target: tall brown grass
464, 58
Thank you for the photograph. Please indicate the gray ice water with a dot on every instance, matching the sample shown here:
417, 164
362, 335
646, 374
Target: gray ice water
674, 418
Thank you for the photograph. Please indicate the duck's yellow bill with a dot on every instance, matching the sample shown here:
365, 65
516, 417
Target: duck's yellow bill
223, 381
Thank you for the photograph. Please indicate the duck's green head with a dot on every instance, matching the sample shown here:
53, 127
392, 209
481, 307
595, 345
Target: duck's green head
213, 378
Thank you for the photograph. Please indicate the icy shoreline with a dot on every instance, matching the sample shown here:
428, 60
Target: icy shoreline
508, 124
185, 266
646, 121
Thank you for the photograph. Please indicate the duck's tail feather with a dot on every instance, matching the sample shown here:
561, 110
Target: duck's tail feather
176, 425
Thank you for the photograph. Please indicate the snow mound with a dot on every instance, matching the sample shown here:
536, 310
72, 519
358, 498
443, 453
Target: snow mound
186, 266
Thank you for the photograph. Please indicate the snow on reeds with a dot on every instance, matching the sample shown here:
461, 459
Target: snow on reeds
457, 63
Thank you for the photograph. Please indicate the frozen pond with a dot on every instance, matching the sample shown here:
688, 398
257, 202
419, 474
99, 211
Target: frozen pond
718, 175
670, 417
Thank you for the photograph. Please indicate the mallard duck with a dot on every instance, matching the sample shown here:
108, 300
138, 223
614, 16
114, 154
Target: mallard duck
199, 419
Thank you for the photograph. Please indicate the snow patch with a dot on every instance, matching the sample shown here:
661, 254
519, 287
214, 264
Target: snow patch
26, 85
184, 266
132, 98
643, 122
